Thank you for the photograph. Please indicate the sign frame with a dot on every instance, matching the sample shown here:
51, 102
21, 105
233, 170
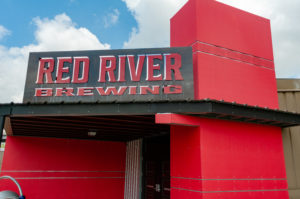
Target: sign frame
155, 74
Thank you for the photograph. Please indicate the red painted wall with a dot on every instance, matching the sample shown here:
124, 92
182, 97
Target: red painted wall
232, 51
233, 61
65, 168
228, 160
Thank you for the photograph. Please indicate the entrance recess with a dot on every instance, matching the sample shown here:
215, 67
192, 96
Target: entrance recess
157, 167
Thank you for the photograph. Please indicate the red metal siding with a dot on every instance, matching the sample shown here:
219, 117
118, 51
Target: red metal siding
65, 168
224, 79
222, 25
233, 54
223, 159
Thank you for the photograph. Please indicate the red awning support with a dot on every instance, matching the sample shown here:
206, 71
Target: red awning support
176, 119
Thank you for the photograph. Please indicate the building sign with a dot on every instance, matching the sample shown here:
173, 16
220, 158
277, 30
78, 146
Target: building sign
110, 75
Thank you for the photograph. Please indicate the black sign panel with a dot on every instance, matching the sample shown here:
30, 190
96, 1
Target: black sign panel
110, 75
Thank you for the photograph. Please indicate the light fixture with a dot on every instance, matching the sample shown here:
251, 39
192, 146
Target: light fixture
11, 194
92, 133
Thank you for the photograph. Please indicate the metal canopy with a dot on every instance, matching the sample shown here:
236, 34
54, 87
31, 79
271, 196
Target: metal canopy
116, 128
128, 120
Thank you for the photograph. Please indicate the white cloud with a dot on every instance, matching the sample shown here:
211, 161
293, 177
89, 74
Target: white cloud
111, 18
153, 18
284, 17
3, 32
56, 34
263, 8
132, 4
61, 33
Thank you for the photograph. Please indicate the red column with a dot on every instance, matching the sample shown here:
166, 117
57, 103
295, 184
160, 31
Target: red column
233, 61
233, 55
214, 159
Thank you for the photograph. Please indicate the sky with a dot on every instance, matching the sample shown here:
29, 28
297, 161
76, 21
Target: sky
57, 25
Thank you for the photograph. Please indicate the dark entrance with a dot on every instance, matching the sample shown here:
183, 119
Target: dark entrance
157, 167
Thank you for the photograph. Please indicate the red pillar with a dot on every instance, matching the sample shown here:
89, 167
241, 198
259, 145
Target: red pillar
233, 55
218, 159
233, 61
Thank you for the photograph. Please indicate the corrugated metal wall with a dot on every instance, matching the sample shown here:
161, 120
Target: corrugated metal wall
289, 99
133, 171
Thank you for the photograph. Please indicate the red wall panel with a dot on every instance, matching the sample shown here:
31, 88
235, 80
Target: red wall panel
233, 53
241, 150
224, 159
65, 168
185, 151
222, 25
232, 81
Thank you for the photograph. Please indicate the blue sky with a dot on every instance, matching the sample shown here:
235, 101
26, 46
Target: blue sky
17, 16
56, 25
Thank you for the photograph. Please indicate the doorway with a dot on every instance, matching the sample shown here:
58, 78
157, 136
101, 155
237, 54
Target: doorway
156, 167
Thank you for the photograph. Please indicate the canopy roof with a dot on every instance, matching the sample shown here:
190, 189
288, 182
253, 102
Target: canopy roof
125, 121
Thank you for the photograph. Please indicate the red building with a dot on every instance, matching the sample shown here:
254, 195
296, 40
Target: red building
199, 122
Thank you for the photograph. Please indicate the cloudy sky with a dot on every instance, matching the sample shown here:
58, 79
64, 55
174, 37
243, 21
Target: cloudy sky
55, 25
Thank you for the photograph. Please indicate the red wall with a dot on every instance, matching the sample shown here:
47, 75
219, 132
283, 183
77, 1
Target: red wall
65, 168
228, 160
233, 61
232, 51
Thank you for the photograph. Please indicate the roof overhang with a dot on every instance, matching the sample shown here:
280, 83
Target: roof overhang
134, 114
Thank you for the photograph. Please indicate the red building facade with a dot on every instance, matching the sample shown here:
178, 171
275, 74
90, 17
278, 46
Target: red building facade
224, 143
233, 61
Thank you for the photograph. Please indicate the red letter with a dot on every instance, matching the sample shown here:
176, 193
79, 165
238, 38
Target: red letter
66, 91
107, 68
85, 91
132, 90
151, 67
135, 72
61, 70
85, 70
146, 89
43, 70
175, 67
43, 92
122, 62
173, 89
111, 90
